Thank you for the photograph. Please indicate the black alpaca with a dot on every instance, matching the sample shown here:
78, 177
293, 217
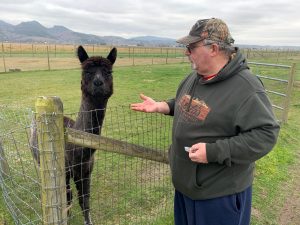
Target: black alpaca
96, 87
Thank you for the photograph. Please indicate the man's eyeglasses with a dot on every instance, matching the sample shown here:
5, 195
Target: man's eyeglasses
190, 47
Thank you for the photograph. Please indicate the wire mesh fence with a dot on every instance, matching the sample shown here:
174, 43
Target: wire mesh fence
124, 189
19, 177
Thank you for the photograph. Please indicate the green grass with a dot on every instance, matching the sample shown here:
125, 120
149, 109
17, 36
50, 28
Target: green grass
273, 178
20, 90
138, 195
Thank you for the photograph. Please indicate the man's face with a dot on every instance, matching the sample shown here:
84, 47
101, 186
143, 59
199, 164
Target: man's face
198, 54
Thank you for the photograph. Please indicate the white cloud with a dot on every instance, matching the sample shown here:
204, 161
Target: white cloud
269, 22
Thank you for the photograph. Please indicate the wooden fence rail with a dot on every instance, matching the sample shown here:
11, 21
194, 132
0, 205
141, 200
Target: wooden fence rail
89, 140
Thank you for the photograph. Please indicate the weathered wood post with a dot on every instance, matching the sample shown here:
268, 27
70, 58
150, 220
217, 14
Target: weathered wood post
48, 57
51, 143
32, 51
3, 57
167, 56
289, 93
133, 56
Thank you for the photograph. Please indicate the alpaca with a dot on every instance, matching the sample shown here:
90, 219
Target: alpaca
96, 87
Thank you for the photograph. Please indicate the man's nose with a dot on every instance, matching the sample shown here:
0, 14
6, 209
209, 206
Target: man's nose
187, 52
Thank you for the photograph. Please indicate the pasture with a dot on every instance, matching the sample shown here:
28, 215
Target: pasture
18, 94
27, 57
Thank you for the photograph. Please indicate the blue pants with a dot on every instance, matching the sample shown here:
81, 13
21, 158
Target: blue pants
228, 210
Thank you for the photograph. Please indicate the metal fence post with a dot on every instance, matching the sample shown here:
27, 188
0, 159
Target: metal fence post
52, 159
289, 93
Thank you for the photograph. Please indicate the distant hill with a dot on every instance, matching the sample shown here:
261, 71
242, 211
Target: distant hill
33, 31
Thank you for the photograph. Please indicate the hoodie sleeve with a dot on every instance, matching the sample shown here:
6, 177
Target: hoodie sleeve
257, 134
171, 104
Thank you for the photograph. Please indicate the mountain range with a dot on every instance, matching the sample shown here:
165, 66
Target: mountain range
34, 32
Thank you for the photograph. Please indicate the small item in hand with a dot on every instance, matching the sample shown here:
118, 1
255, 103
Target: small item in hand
187, 149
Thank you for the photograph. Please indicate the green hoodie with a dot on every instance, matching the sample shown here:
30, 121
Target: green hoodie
233, 115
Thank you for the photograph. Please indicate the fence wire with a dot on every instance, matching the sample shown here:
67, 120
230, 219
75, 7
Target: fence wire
124, 189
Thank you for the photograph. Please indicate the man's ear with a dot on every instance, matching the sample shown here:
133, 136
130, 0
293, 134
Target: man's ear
112, 56
215, 48
82, 55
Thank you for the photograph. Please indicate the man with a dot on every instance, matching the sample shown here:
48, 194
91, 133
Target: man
223, 123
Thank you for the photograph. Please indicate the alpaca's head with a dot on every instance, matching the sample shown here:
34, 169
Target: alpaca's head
96, 80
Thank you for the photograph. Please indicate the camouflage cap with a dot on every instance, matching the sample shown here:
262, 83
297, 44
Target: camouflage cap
210, 29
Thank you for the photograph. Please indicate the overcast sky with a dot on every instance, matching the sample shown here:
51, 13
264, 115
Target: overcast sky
262, 22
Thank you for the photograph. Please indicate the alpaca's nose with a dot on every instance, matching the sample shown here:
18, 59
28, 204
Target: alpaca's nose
98, 83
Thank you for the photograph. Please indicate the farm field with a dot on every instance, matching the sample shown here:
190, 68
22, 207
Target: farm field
274, 174
28, 57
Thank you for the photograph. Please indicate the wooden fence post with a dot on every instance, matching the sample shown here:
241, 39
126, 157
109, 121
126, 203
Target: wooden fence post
248, 54
32, 50
48, 58
167, 56
133, 56
289, 93
3, 57
51, 143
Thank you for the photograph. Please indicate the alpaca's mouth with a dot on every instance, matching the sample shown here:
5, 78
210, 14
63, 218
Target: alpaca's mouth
101, 92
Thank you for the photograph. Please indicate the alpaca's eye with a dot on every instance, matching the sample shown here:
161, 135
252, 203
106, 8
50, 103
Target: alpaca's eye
107, 75
88, 74
107, 71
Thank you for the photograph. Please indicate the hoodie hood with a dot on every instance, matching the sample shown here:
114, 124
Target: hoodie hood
235, 65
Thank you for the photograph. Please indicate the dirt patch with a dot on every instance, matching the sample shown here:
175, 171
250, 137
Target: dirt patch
290, 212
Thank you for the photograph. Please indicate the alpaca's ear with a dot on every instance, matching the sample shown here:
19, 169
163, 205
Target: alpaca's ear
82, 55
112, 55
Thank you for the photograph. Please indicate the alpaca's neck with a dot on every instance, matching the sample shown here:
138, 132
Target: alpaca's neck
89, 103
91, 114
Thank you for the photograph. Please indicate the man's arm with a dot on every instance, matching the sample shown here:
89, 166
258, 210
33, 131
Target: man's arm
150, 106
258, 134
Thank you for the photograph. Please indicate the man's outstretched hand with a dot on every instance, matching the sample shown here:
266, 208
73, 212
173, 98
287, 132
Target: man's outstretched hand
150, 106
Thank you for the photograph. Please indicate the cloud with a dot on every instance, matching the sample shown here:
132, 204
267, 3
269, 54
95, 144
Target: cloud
273, 22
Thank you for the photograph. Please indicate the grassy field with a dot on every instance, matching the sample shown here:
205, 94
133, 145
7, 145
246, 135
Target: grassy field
28, 57
272, 178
